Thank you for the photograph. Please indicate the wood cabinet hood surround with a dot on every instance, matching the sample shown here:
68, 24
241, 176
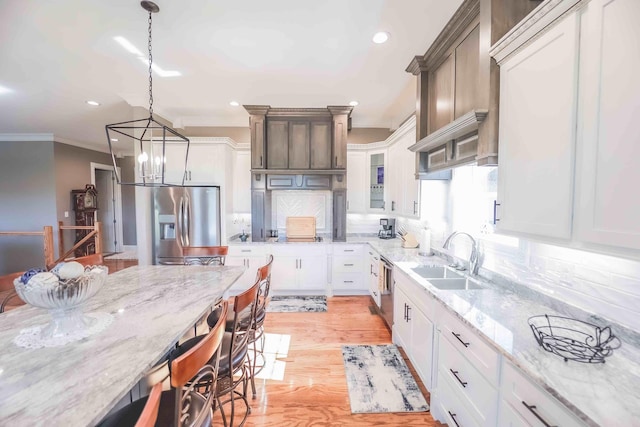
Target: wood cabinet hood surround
458, 87
299, 140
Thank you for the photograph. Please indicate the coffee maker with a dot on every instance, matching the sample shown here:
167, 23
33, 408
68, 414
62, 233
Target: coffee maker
388, 228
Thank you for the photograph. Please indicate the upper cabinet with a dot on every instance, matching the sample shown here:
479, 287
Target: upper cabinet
608, 206
294, 140
538, 93
568, 125
458, 88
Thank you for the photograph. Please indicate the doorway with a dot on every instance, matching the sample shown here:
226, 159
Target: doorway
109, 211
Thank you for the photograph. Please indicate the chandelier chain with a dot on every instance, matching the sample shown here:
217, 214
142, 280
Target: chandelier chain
150, 71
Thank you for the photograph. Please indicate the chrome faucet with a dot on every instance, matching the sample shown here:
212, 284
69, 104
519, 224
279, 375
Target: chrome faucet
474, 258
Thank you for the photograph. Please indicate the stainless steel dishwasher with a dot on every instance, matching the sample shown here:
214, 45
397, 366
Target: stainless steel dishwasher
386, 296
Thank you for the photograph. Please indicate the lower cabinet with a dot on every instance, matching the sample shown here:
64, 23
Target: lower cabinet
374, 276
347, 270
299, 269
525, 403
251, 257
413, 327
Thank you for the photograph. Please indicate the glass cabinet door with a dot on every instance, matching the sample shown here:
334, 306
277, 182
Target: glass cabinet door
376, 181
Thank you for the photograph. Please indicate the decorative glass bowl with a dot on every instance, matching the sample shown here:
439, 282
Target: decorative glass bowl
64, 301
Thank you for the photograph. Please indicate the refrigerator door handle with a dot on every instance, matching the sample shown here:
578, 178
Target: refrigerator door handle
181, 221
187, 221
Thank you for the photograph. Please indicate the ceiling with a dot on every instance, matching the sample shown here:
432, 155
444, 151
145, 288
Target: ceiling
56, 55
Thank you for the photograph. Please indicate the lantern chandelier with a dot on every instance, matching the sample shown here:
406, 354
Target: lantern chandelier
150, 137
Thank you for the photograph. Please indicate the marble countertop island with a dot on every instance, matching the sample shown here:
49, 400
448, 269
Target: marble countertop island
78, 383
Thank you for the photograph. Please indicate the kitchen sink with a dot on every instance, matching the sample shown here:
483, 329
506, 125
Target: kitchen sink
455, 284
437, 273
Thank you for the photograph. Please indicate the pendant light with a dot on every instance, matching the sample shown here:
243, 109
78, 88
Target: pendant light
150, 138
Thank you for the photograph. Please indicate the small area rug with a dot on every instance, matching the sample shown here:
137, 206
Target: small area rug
297, 304
379, 381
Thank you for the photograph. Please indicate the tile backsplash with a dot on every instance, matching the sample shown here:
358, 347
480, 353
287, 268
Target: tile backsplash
302, 203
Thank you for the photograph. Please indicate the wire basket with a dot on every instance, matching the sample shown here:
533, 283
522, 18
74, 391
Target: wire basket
573, 339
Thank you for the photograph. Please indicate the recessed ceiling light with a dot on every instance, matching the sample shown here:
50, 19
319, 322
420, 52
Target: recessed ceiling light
353, 103
159, 71
380, 37
93, 103
4, 90
234, 103
127, 45
114, 139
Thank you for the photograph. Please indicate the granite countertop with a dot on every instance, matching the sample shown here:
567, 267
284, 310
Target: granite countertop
78, 383
599, 394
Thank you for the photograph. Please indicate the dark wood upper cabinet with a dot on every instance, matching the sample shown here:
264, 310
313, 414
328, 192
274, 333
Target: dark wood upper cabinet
299, 149
321, 145
458, 87
441, 96
467, 56
299, 139
277, 144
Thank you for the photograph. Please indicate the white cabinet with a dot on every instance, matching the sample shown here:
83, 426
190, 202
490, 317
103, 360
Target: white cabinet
403, 188
347, 270
524, 401
374, 276
538, 92
412, 325
299, 269
356, 181
608, 206
250, 256
242, 182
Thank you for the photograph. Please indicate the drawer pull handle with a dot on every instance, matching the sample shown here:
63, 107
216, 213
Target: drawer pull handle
348, 250
453, 417
245, 250
348, 265
532, 408
455, 374
466, 344
348, 281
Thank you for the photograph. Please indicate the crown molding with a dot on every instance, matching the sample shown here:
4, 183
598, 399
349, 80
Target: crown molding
409, 125
532, 26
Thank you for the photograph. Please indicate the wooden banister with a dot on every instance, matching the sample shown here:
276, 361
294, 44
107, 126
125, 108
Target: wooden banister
47, 240
95, 231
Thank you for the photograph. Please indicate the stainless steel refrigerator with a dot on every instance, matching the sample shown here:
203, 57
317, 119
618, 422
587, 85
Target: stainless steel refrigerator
184, 216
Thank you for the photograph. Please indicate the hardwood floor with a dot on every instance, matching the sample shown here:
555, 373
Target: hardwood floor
313, 391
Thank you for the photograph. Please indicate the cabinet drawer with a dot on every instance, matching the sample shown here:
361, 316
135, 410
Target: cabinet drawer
451, 407
420, 298
348, 281
480, 396
531, 402
347, 264
471, 345
299, 250
246, 251
348, 250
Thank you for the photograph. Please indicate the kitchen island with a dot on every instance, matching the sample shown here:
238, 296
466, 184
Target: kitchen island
78, 383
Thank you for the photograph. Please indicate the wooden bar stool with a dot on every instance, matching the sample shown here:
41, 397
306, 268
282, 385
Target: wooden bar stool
255, 329
193, 382
204, 255
10, 298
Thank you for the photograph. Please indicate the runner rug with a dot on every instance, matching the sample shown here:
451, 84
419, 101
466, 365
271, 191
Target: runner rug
297, 304
379, 380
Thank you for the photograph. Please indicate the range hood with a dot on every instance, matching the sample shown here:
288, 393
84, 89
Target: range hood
464, 126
